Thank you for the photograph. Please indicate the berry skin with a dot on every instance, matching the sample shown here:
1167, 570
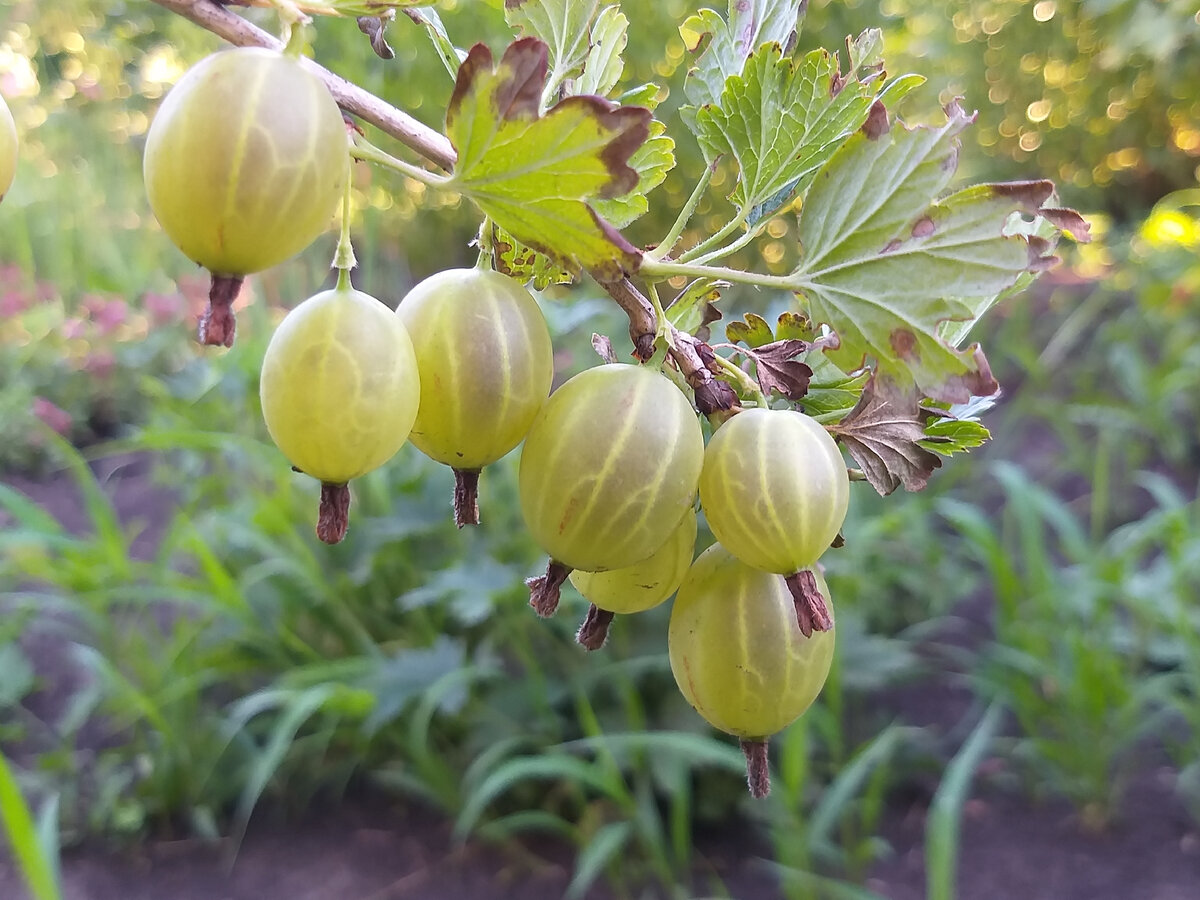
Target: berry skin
646, 584
8, 148
610, 467
245, 160
736, 650
486, 363
339, 385
774, 489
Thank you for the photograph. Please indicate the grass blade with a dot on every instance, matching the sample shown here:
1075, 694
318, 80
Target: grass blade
945, 813
32, 855
590, 863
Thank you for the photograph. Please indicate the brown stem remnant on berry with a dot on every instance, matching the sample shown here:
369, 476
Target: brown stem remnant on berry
217, 325
811, 612
466, 497
543, 590
334, 516
758, 774
594, 631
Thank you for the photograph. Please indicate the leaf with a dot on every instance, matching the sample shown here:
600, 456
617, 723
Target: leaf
512, 258
884, 433
694, 308
534, 175
782, 120
753, 331
374, 28
563, 25
949, 435
598, 853
38, 869
727, 44
451, 56
652, 161
604, 65
777, 368
406, 676
944, 825
885, 265
832, 394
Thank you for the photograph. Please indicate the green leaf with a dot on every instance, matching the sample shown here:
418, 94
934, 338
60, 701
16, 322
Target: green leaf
652, 161
535, 175
694, 307
512, 258
885, 264
832, 394
782, 119
600, 850
563, 25
451, 56
753, 331
728, 44
948, 436
605, 66
37, 866
945, 813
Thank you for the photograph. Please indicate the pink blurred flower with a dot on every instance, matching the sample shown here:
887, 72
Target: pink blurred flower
14, 302
56, 417
100, 364
164, 309
111, 316
74, 328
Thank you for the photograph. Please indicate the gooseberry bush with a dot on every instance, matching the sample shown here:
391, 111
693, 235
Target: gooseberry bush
868, 378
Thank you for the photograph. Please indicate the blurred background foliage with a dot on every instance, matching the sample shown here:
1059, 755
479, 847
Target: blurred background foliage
166, 667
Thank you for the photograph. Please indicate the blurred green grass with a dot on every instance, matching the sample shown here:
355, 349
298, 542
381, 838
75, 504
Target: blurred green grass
244, 663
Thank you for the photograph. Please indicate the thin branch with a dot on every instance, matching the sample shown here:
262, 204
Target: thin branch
418, 137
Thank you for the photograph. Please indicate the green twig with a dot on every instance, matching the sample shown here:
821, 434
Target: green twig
343, 257
363, 149
661, 270
685, 215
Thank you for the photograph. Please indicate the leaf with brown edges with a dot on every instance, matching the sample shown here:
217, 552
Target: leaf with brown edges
536, 175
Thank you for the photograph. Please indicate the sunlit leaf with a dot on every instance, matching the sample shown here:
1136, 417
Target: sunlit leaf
535, 175
724, 45
782, 119
885, 263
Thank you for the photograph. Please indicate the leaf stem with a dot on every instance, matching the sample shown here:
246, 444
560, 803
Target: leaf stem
662, 269
343, 257
662, 336
715, 239
747, 385
685, 215
363, 149
292, 20
721, 252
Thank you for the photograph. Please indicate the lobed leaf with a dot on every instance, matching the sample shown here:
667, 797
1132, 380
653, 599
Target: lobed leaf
534, 174
512, 258
604, 65
782, 119
948, 435
885, 264
652, 161
725, 45
563, 25
884, 434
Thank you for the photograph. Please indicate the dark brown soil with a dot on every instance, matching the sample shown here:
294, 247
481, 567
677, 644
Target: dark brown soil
1009, 848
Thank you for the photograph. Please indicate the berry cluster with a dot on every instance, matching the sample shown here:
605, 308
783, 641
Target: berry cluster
244, 166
